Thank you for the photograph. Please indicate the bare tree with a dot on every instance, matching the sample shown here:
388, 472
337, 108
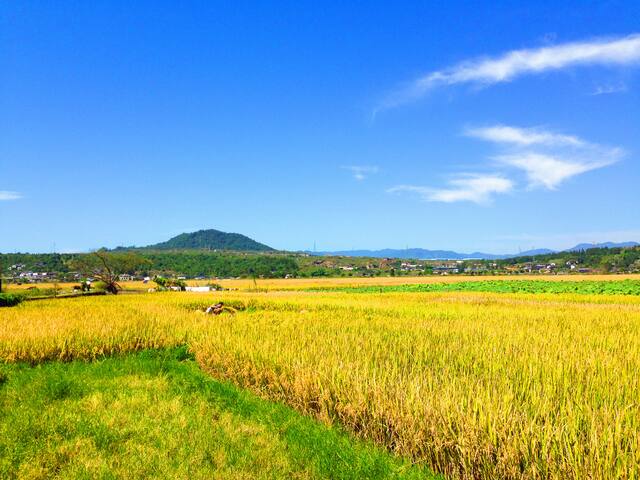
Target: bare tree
107, 266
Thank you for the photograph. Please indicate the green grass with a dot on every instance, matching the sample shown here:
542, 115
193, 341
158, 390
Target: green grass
156, 415
587, 287
9, 299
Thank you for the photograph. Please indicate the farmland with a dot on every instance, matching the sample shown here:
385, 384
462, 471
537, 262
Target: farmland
624, 287
479, 381
320, 240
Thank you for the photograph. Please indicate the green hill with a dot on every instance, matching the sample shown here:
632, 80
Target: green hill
211, 240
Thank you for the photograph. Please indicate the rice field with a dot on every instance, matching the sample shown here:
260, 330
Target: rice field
471, 384
280, 284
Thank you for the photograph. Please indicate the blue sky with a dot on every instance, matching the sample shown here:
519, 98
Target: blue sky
429, 124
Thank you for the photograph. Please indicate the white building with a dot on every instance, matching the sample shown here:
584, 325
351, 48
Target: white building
198, 289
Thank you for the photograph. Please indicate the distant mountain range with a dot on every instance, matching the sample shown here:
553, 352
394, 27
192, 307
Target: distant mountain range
211, 240
423, 254
216, 240
586, 246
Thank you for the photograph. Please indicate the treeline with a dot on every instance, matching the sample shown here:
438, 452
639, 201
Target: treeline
189, 263
202, 263
606, 259
41, 262
195, 264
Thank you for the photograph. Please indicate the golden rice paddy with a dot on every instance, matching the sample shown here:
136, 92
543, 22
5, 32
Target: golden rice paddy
474, 385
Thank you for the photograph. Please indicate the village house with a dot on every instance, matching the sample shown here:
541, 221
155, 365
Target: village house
198, 289
475, 268
411, 266
446, 268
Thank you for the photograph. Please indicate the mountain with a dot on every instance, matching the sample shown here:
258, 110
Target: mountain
211, 240
216, 240
416, 253
531, 253
587, 246
423, 254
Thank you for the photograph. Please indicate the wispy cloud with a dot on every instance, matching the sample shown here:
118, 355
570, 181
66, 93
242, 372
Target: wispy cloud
523, 136
549, 171
6, 195
547, 158
360, 172
609, 89
515, 63
471, 188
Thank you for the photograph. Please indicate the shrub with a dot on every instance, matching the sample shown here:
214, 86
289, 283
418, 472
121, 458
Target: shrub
9, 299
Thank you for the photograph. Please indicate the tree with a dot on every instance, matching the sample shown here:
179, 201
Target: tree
168, 283
107, 266
161, 282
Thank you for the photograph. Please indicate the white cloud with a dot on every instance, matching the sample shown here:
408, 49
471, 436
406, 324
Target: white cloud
523, 136
506, 67
473, 188
608, 89
547, 159
556, 158
550, 171
6, 195
360, 172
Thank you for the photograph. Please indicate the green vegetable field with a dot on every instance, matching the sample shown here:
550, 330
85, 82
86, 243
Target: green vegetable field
587, 287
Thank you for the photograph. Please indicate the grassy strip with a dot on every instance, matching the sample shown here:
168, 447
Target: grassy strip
10, 299
65, 295
587, 287
154, 414
18, 296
